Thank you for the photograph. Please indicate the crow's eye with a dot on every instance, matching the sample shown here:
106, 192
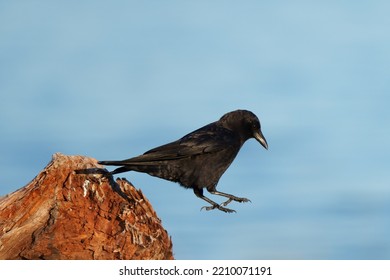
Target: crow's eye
255, 125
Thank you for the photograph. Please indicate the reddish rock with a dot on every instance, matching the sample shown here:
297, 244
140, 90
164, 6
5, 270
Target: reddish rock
70, 211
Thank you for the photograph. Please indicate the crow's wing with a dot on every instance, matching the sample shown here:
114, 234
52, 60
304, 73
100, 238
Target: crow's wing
208, 139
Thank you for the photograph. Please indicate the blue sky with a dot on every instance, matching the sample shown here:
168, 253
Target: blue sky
111, 80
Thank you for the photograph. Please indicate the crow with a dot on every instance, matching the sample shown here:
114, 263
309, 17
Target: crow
199, 159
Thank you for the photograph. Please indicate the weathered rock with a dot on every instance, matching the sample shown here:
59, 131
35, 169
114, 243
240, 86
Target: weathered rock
70, 211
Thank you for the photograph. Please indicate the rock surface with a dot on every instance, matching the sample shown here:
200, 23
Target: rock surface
70, 211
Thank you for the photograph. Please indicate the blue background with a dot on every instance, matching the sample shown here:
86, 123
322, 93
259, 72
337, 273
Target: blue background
112, 79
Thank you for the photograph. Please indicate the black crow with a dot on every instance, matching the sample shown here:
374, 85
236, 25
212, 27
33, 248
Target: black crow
200, 158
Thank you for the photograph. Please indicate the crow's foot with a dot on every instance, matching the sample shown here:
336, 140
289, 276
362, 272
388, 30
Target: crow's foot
238, 199
219, 207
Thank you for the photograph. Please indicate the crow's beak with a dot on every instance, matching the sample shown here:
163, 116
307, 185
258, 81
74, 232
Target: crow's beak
261, 139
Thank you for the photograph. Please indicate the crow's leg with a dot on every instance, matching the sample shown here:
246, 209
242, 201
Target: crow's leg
199, 193
231, 197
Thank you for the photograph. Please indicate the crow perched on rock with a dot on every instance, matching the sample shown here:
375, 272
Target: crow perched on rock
199, 159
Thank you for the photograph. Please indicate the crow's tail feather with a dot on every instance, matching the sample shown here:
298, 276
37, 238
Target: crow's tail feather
120, 170
110, 162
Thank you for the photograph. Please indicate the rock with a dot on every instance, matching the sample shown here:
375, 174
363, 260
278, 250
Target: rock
71, 211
